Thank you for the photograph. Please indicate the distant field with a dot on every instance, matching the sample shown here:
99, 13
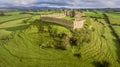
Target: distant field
13, 15
115, 21
12, 12
114, 18
40, 13
12, 26
94, 14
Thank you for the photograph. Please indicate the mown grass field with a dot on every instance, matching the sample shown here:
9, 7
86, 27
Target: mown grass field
30, 42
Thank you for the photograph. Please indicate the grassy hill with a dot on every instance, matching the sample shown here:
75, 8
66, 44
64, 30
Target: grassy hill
32, 43
28, 45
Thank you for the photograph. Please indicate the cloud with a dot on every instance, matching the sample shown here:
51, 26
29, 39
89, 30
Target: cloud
62, 3
110, 3
17, 2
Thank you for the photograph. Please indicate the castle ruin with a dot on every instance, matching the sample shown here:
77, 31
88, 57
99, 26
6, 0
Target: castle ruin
57, 18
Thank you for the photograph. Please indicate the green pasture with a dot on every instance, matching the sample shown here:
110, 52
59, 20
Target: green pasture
114, 18
115, 21
13, 16
96, 14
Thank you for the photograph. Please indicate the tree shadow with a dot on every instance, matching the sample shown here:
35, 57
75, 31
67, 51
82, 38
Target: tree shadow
17, 28
117, 44
101, 64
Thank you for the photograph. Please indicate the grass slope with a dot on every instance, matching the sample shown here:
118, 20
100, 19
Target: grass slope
102, 48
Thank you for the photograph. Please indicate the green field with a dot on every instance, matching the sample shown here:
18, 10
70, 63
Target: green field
117, 29
115, 21
29, 42
40, 13
94, 14
13, 16
114, 18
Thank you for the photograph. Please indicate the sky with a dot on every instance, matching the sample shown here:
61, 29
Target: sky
62, 3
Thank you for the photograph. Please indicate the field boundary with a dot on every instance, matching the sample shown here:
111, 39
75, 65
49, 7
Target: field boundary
110, 26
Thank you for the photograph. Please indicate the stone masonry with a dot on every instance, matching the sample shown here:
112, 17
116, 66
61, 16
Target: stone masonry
56, 18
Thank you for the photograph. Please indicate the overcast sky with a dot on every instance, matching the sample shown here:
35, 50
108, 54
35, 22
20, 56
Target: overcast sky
62, 3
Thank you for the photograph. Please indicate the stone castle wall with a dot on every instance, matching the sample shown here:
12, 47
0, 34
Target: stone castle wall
56, 18
58, 21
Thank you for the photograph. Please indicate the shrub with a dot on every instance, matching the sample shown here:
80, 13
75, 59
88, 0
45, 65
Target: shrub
77, 55
80, 36
76, 51
63, 42
101, 64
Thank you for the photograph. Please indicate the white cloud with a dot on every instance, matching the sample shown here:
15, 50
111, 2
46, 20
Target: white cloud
18, 2
110, 3
61, 3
